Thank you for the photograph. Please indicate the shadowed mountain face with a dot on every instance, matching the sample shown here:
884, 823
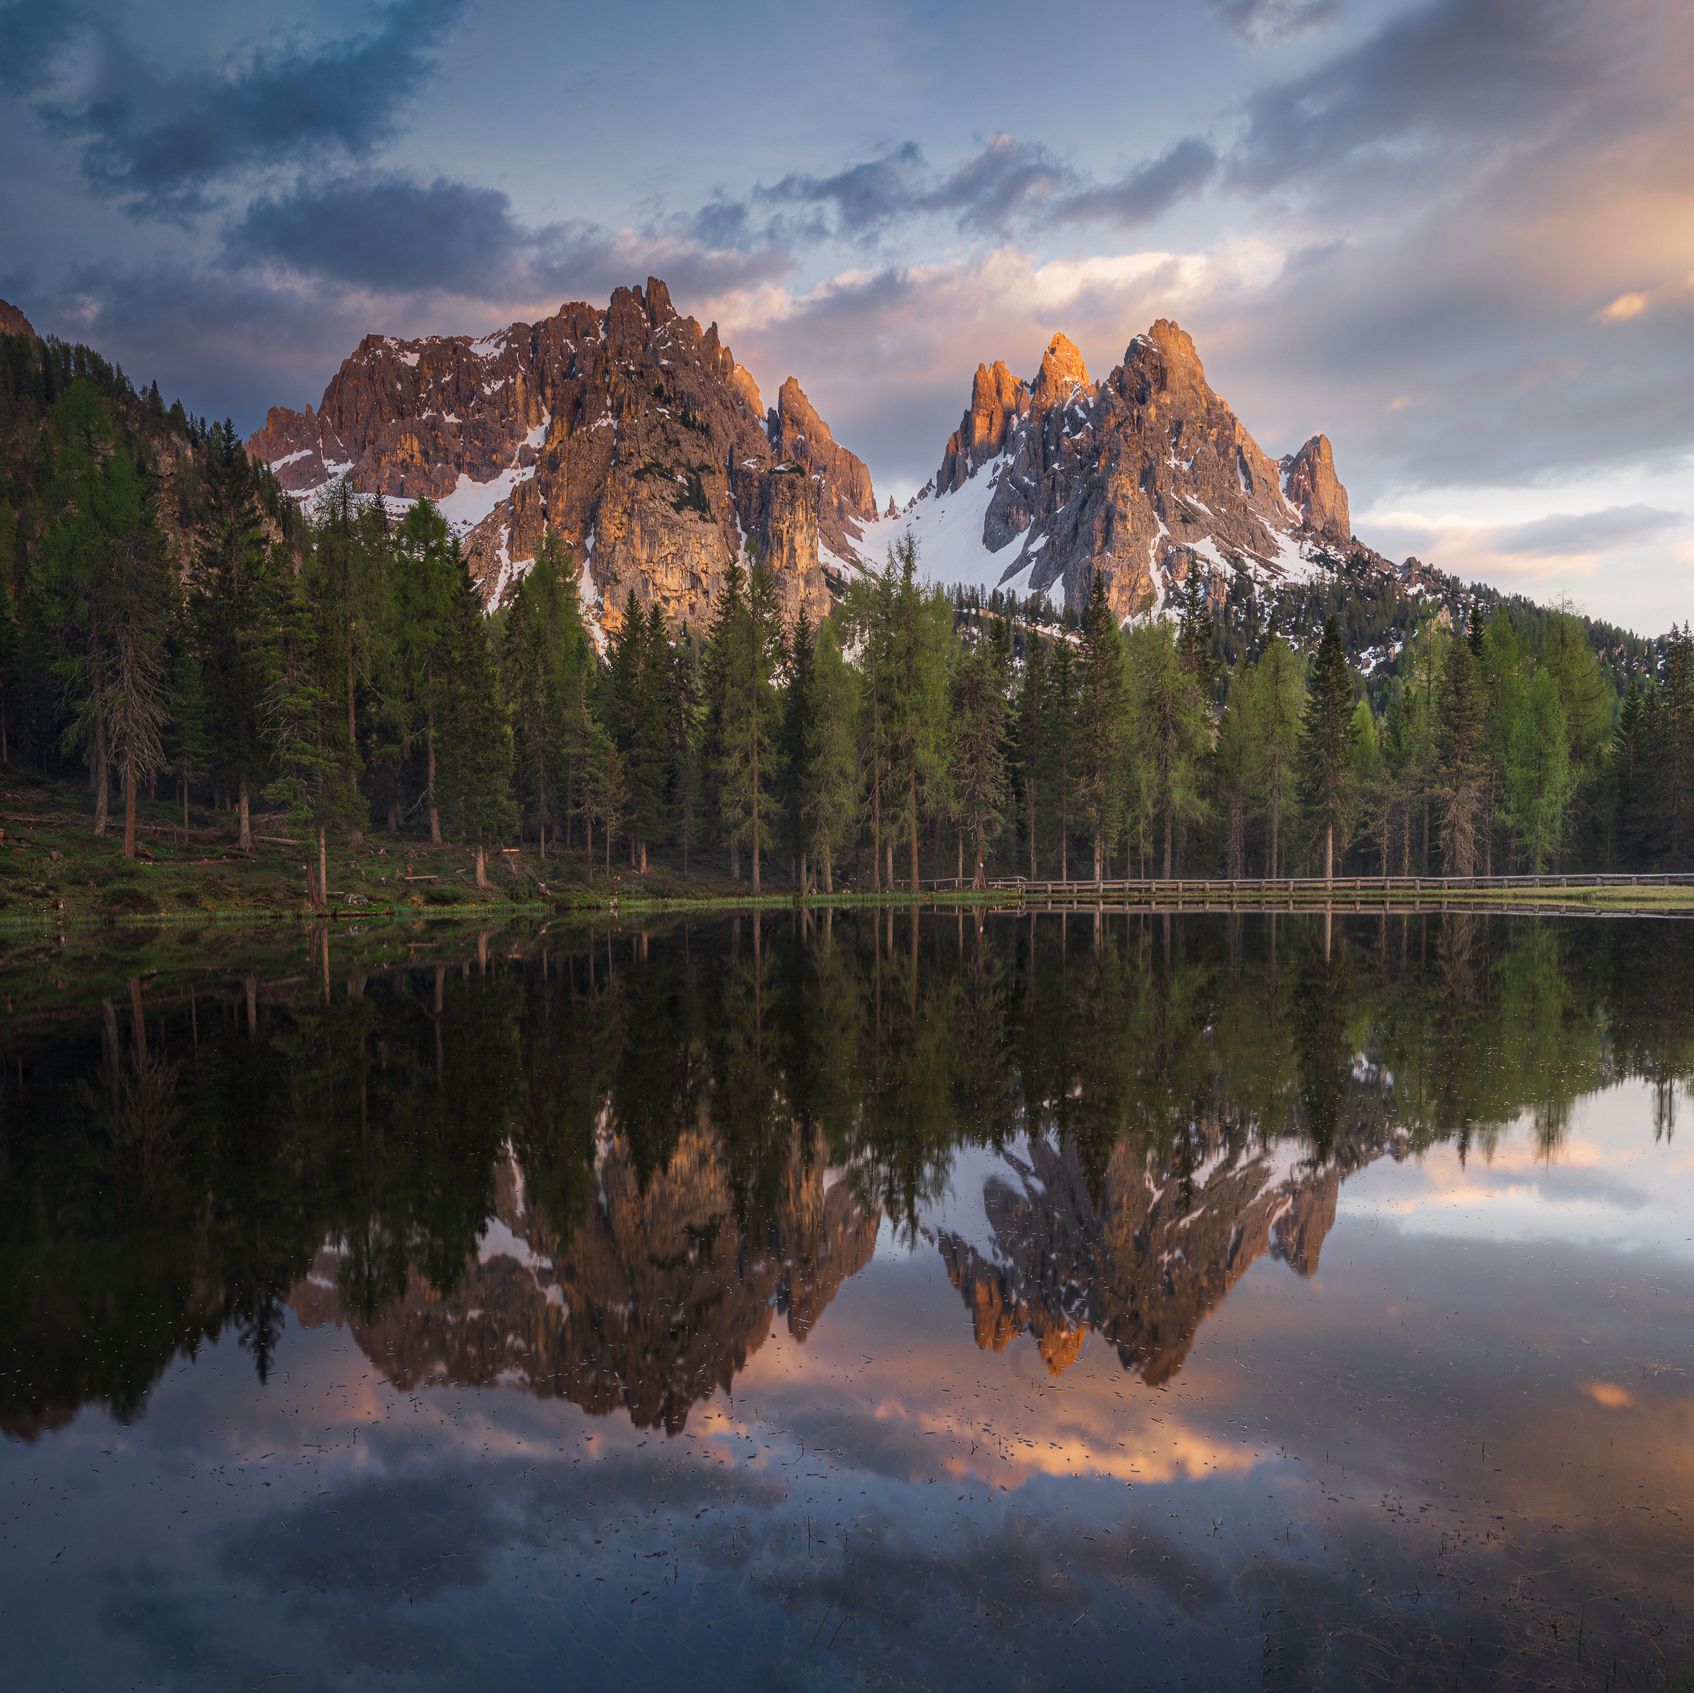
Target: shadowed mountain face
606, 1168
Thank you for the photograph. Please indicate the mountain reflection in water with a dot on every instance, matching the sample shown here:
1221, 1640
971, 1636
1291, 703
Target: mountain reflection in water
867, 1217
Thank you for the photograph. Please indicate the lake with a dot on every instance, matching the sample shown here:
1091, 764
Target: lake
851, 1299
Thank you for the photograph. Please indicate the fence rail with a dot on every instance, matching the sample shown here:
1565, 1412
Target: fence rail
1258, 887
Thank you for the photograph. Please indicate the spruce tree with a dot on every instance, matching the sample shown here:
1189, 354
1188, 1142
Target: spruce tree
797, 750
980, 710
832, 756
1462, 760
1325, 745
1101, 725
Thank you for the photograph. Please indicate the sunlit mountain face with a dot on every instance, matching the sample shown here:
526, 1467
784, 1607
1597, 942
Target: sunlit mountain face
853, 1298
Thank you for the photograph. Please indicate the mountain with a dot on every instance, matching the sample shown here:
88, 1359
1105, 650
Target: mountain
1137, 476
655, 1299
13, 321
630, 431
1145, 1256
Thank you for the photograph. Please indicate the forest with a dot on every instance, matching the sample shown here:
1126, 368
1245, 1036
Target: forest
173, 627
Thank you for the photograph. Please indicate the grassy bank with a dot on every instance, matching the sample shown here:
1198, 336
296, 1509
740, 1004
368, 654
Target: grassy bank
55, 873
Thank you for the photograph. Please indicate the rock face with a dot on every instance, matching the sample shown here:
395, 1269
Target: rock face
846, 502
1310, 482
13, 322
630, 432
1137, 478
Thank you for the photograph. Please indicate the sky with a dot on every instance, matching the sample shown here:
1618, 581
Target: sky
1457, 236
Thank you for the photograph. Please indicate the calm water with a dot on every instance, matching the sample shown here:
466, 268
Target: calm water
1044, 1303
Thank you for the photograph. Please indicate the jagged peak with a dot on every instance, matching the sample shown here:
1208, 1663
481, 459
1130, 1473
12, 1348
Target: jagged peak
1062, 367
13, 321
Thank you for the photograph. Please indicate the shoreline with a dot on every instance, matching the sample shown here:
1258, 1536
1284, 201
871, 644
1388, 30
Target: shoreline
1612, 899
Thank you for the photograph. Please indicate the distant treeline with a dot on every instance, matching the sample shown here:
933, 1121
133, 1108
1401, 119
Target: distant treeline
167, 615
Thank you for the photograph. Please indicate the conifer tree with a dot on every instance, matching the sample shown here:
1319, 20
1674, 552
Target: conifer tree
1462, 761
1324, 746
1101, 725
1030, 746
1171, 735
980, 711
797, 750
832, 756
749, 718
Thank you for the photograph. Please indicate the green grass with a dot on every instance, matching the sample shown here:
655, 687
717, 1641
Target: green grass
55, 873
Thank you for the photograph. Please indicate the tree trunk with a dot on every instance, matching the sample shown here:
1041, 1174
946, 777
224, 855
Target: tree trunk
960, 876
182, 782
323, 870
129, 808
979, 877
828, 870
735, 860
102, 776
244, 817
1329, 851
1276, 825
1032, 870
352, 726
481, 866
429, 778
912, 814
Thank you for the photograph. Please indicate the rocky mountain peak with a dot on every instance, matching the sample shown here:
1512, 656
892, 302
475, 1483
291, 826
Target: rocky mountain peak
997, 398
13, 321
1137, 480
1062, 372
846, 500
1311, 485
630, 432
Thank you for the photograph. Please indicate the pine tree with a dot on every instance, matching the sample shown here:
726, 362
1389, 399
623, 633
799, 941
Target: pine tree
833, 756
797, 749
749, 718
920, 646
1462, 761
1324, 747
1279, 703
1030, 746
1539, 782
1101, 725
475, 752
1171, 735
980, 710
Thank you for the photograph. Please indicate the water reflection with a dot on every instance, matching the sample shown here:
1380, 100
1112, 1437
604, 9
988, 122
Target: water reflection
862, 1215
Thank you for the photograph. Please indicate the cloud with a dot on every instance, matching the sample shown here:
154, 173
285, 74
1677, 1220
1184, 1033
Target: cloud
1567, 534
860, 199
32, 36
409, 240
1261, 21
1443, 80
1144, 192
158, 141
1006, 184
1007, 179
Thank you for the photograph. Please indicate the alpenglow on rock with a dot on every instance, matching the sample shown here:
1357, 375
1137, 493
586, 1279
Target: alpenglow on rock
630, 432
1138, 478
